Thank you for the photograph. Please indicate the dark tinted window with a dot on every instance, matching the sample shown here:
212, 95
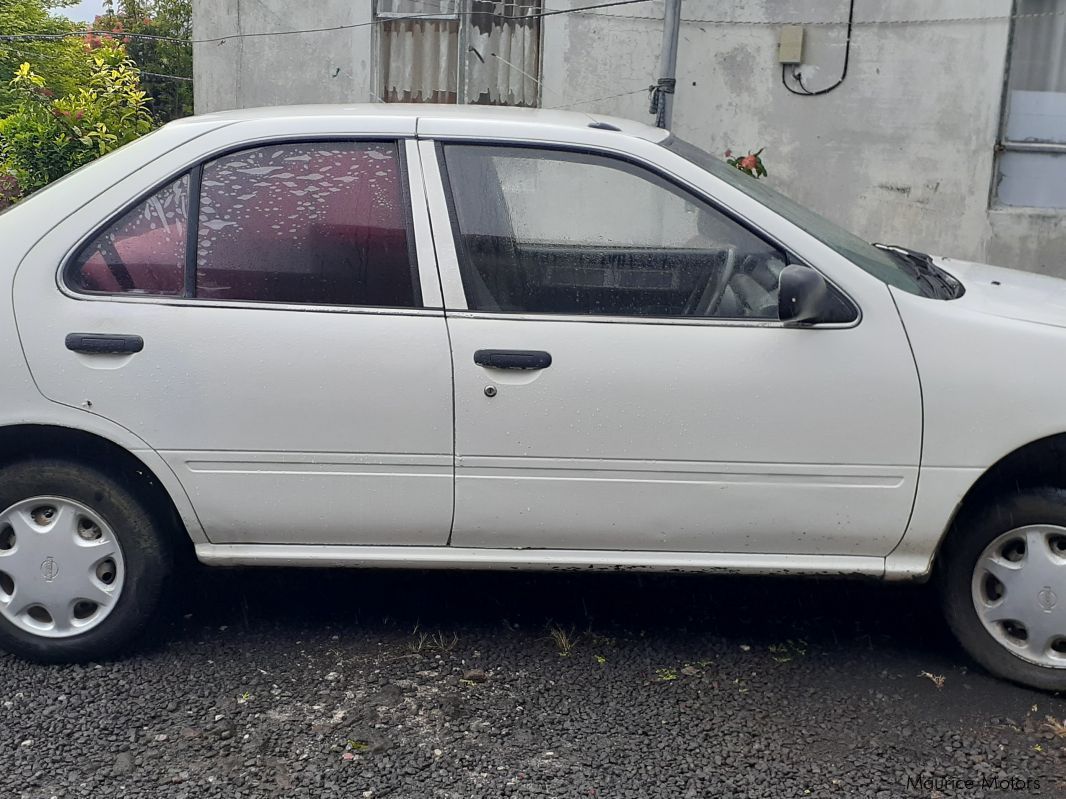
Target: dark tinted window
143, 252
322, 223
547, 231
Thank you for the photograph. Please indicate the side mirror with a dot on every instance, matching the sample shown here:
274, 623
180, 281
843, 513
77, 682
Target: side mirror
802, 295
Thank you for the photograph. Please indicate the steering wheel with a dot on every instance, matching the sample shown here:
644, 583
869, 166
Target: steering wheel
115, 264
711, 299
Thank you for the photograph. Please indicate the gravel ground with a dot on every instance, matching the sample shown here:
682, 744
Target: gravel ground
374, 684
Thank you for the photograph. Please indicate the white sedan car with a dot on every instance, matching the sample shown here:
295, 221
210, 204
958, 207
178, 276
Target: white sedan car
494, 338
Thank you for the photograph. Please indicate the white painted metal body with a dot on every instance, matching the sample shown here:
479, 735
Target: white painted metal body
333, 435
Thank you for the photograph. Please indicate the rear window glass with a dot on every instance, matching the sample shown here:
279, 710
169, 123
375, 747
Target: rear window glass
317, 222
302, 223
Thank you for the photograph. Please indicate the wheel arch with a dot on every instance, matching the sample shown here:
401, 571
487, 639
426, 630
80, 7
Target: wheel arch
945, 494
1038, 464
26, 441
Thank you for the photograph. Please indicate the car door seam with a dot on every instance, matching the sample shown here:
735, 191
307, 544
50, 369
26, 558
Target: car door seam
921, 424
447, 326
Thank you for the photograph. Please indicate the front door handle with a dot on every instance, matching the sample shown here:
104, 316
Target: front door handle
104, 343
513, 359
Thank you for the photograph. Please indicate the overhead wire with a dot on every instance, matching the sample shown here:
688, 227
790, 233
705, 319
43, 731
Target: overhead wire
38, 57
641, 90
835, 22
10, 37
592, 10
328, 29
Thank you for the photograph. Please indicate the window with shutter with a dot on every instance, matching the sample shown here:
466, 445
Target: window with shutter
448, 51
1032, 160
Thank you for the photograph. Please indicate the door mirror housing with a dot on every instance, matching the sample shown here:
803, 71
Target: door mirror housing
803, 296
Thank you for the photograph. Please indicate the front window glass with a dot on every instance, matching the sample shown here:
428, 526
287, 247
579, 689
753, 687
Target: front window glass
863, 254
548, 231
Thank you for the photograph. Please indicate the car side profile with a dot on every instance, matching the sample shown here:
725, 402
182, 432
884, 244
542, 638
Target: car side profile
476, 338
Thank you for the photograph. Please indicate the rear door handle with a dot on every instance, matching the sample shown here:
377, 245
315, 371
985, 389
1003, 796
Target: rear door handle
104, 343
513, 359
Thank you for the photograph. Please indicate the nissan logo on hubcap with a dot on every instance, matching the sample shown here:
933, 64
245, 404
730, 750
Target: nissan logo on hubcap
50, 569
1047, 599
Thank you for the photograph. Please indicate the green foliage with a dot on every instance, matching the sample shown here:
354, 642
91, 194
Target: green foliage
67, 100
171, 19
46, 136
60, 62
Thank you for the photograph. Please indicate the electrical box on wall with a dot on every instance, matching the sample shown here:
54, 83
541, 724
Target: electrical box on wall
790, 45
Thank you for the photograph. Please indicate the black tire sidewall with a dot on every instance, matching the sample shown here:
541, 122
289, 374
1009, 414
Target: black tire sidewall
970, 535
144, 554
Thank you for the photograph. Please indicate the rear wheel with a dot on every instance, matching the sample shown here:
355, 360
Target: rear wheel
82, 565
1003, 583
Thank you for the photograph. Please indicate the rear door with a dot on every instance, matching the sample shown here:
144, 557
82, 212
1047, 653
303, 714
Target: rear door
622, 381
268, 318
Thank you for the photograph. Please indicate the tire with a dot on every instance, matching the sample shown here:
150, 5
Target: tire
107, 522
1010, 528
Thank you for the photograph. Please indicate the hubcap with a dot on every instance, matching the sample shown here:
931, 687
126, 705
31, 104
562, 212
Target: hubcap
1019, 591
61, 567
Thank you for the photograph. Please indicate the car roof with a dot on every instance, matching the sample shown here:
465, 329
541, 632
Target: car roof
519, 120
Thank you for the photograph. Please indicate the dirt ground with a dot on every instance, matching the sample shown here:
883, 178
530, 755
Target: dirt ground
374, 684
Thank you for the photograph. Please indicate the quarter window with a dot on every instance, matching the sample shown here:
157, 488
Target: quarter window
143, 252
547, 231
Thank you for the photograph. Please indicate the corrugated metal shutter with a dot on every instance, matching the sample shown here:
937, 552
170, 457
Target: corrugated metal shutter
419, 59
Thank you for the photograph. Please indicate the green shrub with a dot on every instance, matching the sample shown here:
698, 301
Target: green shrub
46, 137
60, 61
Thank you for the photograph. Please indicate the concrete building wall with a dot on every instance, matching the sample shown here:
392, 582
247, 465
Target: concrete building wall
903, 151
248, 71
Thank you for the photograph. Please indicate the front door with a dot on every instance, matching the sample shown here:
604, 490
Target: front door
622, 381
262, 321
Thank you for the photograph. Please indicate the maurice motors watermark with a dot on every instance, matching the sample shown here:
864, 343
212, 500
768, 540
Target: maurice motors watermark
946, 784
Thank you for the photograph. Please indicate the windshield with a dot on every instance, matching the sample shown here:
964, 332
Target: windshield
866, 256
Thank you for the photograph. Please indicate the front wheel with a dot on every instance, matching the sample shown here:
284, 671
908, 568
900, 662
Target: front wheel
82, 565
1003, 585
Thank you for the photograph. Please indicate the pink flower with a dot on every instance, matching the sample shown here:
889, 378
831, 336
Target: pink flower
749, 162
728, 153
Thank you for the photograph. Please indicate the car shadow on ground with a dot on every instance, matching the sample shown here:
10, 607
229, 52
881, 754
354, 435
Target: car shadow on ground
827, 613
849, 633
